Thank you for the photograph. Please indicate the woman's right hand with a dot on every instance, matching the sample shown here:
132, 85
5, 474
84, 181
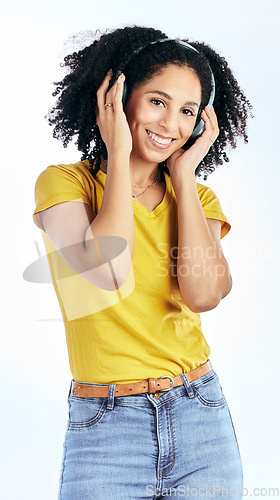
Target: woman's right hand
112, 121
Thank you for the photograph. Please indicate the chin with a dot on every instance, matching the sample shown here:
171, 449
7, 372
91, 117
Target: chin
159, 156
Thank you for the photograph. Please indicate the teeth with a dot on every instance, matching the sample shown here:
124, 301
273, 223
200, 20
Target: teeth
159, 139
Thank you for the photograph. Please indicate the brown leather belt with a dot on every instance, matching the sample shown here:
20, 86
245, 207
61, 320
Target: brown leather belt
155, 386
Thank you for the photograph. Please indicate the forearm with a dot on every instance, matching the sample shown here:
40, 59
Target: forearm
202, 270
116, 217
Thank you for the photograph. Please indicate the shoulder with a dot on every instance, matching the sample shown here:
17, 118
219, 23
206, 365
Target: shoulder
61, 183
67, 182
212, 208
205, 193
74, 171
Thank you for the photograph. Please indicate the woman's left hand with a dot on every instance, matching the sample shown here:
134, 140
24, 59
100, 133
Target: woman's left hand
183, 161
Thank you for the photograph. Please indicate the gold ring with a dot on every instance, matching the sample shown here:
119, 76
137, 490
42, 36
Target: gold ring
108, 105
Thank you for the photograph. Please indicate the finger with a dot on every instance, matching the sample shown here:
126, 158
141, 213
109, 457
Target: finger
101, 92
118, 105
208, 134
210, 115
214, 120
211, 125
111, 95
103, 89
105, 83
207, 125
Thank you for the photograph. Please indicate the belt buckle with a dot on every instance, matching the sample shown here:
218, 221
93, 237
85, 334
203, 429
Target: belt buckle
171, 384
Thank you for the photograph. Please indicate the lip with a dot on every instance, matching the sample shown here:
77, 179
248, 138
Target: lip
159, 135
156, 144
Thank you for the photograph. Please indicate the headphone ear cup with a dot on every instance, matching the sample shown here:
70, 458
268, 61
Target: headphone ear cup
198, 130
111, 83
124, 96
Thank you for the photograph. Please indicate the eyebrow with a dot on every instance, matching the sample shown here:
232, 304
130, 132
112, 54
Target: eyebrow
163, 94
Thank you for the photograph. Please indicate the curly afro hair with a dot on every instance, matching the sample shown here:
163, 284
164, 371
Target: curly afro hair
74, 111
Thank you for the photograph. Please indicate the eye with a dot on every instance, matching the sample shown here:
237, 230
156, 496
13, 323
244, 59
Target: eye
188, 112
157, 102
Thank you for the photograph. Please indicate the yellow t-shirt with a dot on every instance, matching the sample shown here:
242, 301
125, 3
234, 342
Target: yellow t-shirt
143, 329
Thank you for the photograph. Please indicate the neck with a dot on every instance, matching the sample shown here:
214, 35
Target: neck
142, 173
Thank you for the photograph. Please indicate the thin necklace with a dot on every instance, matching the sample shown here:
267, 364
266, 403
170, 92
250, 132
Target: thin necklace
146, 187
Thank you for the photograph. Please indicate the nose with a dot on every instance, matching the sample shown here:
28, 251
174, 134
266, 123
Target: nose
169, 120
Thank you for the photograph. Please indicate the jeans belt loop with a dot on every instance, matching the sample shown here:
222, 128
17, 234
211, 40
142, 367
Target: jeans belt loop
111, 395
70, 390
187, 385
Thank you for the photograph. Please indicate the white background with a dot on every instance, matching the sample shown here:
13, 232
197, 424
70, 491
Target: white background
243, 331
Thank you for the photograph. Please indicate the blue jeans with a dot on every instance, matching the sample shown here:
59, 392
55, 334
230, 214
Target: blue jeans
129, 447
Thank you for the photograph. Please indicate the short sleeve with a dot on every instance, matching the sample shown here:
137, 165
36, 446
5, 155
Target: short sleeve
212, 208
57, 184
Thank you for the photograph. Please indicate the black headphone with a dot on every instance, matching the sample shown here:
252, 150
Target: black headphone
199, 125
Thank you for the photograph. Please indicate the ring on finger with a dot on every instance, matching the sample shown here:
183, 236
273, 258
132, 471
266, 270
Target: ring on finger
108, 105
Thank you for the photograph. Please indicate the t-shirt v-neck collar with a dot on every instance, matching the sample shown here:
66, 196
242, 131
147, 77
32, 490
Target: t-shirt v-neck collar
139, 208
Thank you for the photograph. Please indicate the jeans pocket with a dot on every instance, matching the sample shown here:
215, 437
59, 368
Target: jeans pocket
208, 391
85, 412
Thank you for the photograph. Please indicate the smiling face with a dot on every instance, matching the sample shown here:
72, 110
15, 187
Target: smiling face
162, 113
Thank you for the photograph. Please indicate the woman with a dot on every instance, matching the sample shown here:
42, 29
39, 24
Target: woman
136, 260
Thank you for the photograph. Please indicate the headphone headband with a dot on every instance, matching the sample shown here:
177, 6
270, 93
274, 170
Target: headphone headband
199, 125
187, 46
